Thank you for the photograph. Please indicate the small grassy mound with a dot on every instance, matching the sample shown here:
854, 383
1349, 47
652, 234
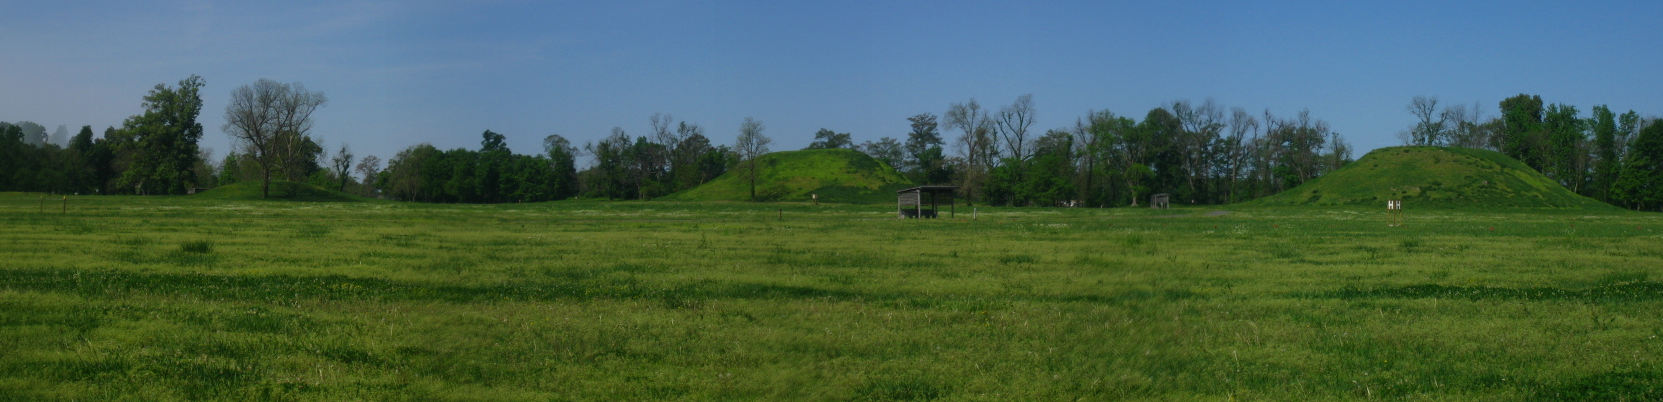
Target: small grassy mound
280, 191
836, 175
1438, 177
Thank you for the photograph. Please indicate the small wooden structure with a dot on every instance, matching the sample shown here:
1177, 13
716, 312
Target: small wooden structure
1160, 201
910, 203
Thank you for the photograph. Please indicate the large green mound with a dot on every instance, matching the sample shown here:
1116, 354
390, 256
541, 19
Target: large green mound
280, 191
835, 175
1434, 176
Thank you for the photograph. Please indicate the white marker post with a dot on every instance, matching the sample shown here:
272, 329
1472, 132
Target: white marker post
1394, 213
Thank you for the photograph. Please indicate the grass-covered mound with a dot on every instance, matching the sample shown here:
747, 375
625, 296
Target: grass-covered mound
1438, 177
280, 191
836, 175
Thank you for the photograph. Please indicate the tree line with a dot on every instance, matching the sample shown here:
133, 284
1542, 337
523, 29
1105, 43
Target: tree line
1200, 153
1616, 158
153, 152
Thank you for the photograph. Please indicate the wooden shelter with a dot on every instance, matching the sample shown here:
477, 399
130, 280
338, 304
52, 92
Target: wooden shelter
1160, 201
910, 203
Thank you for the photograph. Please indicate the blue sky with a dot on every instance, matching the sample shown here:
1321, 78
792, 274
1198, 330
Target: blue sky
398, 73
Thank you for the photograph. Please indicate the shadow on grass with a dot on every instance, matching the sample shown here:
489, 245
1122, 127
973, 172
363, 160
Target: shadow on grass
1614, 292
286, 288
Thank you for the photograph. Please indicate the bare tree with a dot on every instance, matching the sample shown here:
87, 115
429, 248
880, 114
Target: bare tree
1014, 122
1197, 143
1429, 124
342, 162
976, 143
369, 167
1237, 146
273, 120
751, 144
663, 131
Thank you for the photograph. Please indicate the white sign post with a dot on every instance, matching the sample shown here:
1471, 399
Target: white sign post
1394, 212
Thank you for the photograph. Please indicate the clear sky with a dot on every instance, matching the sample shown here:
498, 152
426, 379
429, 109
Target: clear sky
398, 73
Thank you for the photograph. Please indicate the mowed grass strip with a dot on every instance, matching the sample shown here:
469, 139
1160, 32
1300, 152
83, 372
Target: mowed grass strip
209, 298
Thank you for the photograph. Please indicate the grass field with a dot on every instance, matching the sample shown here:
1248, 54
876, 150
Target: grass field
205, 298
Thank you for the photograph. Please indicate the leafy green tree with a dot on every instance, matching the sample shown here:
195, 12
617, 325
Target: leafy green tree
81, 175
562, 158
34, 134
885, 149
827, 139
1628, 127
405, 178
1566, 139
1521, 130
610, 175
1157, 133
1606, 162
162, 141
13, 157
1640, 184
1049, 180
649, 167
685, 172
923, 146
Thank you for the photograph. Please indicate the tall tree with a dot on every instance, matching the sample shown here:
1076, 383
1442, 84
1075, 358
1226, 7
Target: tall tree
1197, 145
1521, 135
665, 133
60, 137
1566, 146
1429, 125
369, 167
1049, 181
563, 159
612, 163
1628, 127
828, 139
688, 164
33, 133
1237, 150
1640, 184
977, 145
751, 144
1014, 122
650, 166
1464, 127
273, 121
885, 149
161, 141
924, 150
342, 162
1606, 163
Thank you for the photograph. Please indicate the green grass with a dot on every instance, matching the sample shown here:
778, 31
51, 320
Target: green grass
835, 175
1435, 177
280, 191
202, 298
